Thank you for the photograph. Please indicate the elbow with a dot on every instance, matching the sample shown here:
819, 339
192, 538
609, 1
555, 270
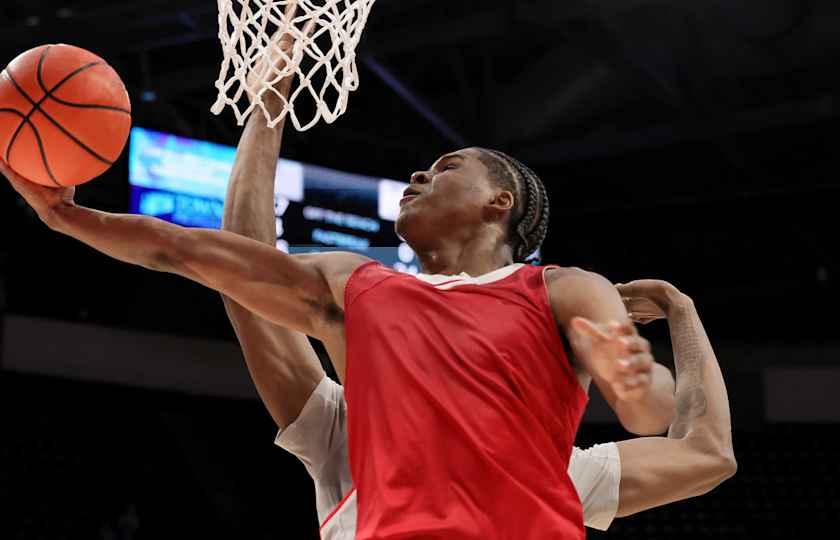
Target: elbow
718, 459
727, 467
719, 470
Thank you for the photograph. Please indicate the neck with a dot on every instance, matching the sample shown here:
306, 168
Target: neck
476, 257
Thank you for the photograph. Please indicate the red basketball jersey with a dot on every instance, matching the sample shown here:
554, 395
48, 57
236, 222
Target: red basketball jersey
462, 407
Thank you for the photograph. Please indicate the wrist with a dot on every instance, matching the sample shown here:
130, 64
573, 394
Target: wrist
275, 100
669, 299
55, 216
677, 303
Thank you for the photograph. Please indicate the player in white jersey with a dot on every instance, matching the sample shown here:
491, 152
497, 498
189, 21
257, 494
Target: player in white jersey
318, 437
613, 480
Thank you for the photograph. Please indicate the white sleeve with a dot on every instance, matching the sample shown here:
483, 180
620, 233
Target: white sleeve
596, 474
318, 438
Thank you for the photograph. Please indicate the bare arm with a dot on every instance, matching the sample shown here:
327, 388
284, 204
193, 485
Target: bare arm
282, 363
697, 455
304, 293
608, 348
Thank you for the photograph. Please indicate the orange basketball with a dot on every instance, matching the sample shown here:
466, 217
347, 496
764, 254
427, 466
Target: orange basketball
64, 115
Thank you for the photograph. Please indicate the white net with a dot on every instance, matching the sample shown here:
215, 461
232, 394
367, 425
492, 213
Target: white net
266, 41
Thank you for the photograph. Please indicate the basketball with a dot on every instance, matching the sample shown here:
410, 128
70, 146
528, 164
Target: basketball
65, 115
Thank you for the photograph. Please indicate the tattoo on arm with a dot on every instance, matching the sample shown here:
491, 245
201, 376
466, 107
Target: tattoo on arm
688, 358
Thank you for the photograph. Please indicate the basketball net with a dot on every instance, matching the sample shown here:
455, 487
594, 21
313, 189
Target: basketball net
325, 34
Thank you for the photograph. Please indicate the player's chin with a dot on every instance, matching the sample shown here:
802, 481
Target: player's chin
411, 225
404, 223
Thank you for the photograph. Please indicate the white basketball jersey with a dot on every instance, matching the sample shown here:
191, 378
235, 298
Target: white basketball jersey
318, 437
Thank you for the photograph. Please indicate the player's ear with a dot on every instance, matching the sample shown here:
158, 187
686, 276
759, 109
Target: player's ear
503, 201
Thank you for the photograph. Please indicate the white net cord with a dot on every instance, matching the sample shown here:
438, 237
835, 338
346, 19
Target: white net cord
266, 41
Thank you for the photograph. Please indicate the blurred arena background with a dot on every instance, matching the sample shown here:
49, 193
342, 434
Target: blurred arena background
692, 141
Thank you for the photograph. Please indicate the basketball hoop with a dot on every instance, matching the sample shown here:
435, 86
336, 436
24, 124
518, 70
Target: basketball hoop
325, 35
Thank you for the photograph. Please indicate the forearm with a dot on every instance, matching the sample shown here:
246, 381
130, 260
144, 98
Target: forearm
249, 204
139, 240
702, 401
697, 455
655, 412
284, 367
282, 363
148, 242
290, 291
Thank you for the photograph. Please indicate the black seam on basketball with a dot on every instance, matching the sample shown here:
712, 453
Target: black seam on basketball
56, 124
13, 111
20, 126
43, 153
85, 106
48, 93
25, 120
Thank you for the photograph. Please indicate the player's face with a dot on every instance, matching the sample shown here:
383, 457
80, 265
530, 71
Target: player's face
451, 196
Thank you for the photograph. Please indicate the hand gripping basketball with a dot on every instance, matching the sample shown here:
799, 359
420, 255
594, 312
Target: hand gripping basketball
42, 199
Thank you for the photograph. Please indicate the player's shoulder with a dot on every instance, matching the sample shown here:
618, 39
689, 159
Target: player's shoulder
573, 278
569, 288
334, 261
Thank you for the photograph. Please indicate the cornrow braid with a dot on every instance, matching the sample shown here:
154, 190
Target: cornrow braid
529, 223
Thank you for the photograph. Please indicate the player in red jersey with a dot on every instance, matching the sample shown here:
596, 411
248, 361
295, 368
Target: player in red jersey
612, 479
463, 403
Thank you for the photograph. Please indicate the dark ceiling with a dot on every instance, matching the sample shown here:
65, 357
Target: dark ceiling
693, 140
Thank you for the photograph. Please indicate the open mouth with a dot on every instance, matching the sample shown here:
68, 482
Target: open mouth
409, 194
407, 199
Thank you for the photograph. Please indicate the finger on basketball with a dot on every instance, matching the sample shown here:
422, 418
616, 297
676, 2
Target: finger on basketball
4, 169
17, 181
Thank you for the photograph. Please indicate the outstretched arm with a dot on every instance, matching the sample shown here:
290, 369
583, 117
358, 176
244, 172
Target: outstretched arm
282, 363
697, 455
607, 347
303, 292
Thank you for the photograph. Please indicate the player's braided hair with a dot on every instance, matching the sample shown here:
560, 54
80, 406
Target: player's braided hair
529, 219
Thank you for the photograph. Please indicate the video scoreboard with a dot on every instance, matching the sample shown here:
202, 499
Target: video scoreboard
184, 181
